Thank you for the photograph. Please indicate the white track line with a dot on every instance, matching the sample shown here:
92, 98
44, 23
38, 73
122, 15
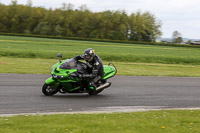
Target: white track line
113, 109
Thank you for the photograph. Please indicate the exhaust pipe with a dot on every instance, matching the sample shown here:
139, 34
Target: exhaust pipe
102, 87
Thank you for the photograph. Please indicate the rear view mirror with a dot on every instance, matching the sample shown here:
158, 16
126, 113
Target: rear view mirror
60, 56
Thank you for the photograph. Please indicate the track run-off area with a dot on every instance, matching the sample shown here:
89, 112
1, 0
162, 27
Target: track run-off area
22, 94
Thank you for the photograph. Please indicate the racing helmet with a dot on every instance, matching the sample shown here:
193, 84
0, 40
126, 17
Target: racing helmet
89, 54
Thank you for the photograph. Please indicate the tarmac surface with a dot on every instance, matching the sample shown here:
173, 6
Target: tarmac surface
21, 93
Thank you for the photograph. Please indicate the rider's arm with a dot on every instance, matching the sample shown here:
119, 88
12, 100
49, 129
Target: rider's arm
79, 57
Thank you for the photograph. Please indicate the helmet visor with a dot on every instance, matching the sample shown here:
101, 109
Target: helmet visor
87, 56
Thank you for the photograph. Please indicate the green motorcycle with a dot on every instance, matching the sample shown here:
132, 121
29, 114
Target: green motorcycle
64, 78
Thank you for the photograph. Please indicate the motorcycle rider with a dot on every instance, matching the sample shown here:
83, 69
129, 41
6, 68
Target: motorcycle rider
95, 64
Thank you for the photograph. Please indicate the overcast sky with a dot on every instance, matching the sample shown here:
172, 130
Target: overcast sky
180, 15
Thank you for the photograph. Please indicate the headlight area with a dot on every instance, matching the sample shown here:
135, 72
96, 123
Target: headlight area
57, 76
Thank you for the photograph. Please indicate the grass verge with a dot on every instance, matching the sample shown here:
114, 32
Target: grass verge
174, 121
43, 66
29, 47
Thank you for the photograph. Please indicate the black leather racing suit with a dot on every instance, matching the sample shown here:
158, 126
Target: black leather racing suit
96, 67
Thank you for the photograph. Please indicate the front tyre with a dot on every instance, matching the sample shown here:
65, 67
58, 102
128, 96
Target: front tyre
49, 90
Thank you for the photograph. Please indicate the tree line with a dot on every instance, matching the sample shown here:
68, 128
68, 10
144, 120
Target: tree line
69, 22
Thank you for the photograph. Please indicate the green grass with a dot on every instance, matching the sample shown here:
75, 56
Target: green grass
176, 121
43, 66
28, 47
37, 55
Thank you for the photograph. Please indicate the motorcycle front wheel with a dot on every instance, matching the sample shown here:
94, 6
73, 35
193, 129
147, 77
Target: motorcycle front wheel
50, 90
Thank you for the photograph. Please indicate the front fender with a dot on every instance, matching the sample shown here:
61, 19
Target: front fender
50, 81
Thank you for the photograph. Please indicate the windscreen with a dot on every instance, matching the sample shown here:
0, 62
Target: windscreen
69, 64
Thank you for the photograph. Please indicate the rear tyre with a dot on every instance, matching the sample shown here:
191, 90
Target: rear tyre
99, 89
49, 90
92, 92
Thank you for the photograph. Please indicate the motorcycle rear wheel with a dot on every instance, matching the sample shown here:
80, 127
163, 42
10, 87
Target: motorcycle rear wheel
92, 92
49, 90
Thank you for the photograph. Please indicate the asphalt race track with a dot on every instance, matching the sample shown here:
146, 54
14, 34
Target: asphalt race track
21, 93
